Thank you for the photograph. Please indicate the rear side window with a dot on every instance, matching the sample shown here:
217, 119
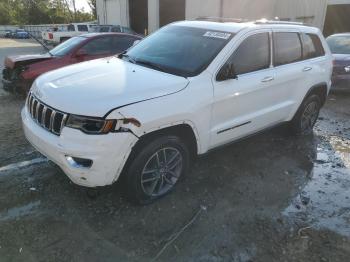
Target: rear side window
252, 55
312, 46
287, 48
98, 46
83, 28
122, 43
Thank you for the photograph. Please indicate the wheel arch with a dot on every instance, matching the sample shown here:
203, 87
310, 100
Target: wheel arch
319, 89
185, 131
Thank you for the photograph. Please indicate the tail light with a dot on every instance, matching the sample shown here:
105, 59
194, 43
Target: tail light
50, 36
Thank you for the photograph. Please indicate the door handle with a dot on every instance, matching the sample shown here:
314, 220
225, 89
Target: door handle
308, 68
267, 79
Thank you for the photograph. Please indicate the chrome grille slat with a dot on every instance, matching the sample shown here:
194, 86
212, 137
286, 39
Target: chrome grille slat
63, 122
45, 116
52, 119
37, 111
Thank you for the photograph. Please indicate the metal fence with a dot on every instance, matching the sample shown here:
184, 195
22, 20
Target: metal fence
35, 30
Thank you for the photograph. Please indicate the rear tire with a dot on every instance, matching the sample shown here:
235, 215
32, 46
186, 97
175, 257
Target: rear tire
307, 115
156, 168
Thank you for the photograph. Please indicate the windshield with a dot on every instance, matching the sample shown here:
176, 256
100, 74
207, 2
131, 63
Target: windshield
339, 44
67, 46
179, 50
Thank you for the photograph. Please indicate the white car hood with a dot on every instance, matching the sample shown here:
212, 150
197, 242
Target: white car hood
96, 87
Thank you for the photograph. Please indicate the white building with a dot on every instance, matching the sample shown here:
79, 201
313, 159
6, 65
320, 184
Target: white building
149, 15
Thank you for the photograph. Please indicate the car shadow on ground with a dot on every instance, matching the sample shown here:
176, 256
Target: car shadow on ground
243, 190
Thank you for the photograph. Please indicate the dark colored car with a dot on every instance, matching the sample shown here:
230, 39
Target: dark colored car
21, 71
340, 48
21, 34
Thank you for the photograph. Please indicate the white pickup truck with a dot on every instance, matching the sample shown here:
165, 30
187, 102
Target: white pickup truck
74, 29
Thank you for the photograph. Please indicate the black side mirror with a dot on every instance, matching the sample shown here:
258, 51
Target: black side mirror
227, 72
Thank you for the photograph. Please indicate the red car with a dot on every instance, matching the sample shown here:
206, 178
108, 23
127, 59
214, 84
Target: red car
21, 71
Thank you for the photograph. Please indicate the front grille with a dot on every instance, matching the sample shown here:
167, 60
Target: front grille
50, 119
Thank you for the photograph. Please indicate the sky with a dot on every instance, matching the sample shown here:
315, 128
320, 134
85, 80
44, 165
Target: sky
82, 3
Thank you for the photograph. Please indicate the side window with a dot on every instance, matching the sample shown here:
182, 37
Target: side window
70, 27
312, 46
83, 28
287, 48
252, 55
122, 43
98, 46
104, 29
115, 29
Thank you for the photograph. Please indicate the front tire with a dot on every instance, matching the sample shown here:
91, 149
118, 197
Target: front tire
156, 169
307, 115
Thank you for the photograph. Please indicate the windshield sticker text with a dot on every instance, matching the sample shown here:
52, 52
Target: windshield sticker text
217, 35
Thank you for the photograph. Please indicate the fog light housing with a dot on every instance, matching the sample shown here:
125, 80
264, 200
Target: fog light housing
78, 162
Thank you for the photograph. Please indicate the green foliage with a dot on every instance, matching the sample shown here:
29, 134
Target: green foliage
92, 4
40, 12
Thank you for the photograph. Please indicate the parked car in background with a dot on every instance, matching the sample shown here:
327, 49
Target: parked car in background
8, 33
20, 34
113, 28
20, 71
186, 89
74, 29
340, 48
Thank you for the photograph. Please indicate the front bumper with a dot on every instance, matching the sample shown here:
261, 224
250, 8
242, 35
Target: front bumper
20, 86
108, 152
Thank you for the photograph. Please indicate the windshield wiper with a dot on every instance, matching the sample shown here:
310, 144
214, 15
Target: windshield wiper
151, 65
130, 59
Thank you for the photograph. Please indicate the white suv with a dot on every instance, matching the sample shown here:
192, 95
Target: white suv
188, 88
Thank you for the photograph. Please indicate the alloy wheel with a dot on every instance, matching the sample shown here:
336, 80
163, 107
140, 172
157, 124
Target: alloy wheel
161, 171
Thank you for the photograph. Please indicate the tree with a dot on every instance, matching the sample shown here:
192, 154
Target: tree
40, 12
92, 4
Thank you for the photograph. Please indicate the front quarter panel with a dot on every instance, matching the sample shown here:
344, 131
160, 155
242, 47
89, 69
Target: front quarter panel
191, 106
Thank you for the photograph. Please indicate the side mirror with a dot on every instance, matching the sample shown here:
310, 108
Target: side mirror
227, 72
81, 53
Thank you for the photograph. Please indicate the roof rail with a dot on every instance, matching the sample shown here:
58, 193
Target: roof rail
277, 22
221, 19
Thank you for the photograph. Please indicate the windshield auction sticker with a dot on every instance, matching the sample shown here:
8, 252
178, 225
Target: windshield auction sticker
217, 35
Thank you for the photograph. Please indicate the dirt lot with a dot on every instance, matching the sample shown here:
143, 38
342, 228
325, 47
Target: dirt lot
269, 198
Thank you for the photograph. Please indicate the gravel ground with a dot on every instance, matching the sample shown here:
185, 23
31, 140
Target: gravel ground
269, 198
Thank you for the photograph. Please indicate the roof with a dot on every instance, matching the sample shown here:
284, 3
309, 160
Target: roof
227, 27
90, 35
235, 27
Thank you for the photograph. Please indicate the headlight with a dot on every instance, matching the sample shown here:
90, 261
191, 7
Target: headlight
347, 69
91, 125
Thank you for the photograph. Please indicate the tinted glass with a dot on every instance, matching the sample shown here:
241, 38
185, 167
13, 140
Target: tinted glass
128, 30
104, 29
180, 50
252, 55
83, 28
287, 48
312, 46
115, 29
99, 46
67, 46
339, 44
70, 28
122, 43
